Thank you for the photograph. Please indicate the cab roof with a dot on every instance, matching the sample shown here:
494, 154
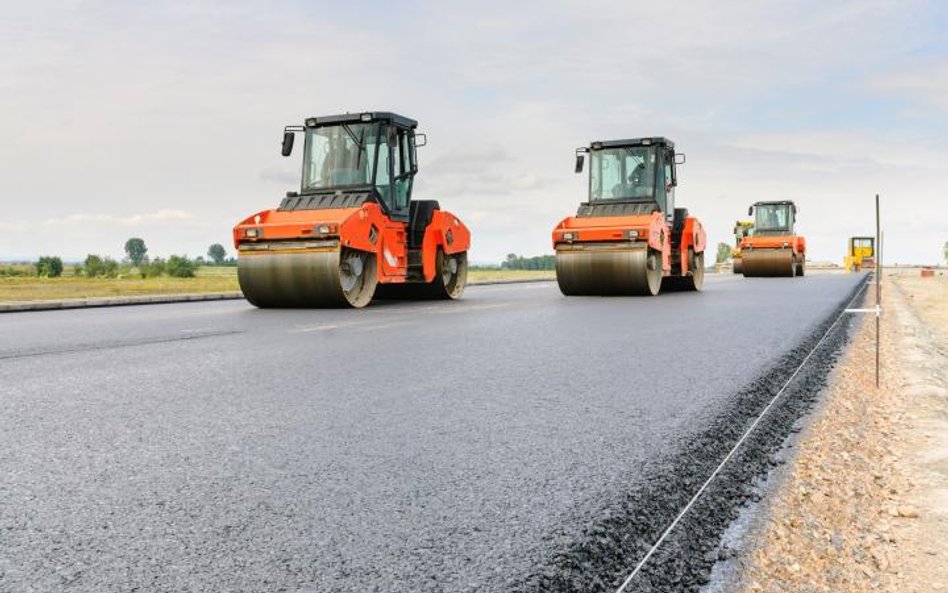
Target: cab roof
364, 116
599, 144
774, 202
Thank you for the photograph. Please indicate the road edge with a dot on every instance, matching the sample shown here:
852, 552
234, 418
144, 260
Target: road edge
162, 299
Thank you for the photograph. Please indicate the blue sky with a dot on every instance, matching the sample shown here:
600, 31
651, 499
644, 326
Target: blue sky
163, 120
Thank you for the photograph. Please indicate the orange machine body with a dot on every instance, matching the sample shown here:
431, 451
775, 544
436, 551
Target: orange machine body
796, 243
651, 229
365, 228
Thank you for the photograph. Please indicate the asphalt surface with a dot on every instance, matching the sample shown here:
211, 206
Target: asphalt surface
430, 446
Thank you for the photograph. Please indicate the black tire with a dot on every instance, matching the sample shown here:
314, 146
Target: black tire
448, 283
450, 274
693, 282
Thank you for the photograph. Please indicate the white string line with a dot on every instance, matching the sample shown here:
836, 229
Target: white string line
730, 454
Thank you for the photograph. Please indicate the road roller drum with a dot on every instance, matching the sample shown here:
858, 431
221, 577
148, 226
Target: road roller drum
327, 278
768, 262
608, 270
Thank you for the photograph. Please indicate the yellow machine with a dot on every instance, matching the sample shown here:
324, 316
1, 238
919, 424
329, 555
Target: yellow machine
742, 228
860, 254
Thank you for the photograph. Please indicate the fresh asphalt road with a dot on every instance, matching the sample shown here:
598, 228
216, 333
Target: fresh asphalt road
409, 446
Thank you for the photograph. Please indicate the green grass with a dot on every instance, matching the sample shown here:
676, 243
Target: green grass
484, 275
209, 279
44, 289
217, 272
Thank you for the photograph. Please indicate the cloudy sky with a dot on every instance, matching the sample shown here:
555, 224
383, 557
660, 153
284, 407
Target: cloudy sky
163, 119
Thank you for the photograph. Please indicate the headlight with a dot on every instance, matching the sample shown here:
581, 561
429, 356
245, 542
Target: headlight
632, 234
252, 233
569, 236
325, 229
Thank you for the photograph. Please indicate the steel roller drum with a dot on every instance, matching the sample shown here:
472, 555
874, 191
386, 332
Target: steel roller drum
307, 277
768, 262
608, 269
738, 265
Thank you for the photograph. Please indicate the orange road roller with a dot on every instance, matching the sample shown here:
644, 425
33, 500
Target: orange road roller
353, 231
628, 238
773, 249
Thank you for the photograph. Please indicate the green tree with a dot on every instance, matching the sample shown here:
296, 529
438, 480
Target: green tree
179, 266
96, 266
724, 253
135, 250
217, 253
92, 266
110, 268
538, 262
49, 266
153, 268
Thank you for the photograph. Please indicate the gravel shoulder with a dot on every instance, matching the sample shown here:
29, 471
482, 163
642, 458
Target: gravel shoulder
863, 502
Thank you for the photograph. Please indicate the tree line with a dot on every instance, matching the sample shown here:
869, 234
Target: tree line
537, 262
136, 260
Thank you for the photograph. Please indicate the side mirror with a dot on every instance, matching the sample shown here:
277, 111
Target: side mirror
750, 210
680, 158
579, 162
288, 138
421, 140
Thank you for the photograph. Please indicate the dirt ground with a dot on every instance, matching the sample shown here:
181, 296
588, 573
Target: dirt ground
863, 505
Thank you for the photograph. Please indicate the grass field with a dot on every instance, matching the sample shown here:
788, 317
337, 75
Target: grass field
475, 276
209, 279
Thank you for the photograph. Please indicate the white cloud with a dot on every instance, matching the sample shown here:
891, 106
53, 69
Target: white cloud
926, 85
132, 220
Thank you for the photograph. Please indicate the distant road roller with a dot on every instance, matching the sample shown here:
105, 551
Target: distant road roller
773, 249
628, 238
742, 228
860, 254
352, 230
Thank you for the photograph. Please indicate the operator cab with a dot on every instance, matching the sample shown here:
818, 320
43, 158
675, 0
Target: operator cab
352, 158
773, 218
742, 230
639, 173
